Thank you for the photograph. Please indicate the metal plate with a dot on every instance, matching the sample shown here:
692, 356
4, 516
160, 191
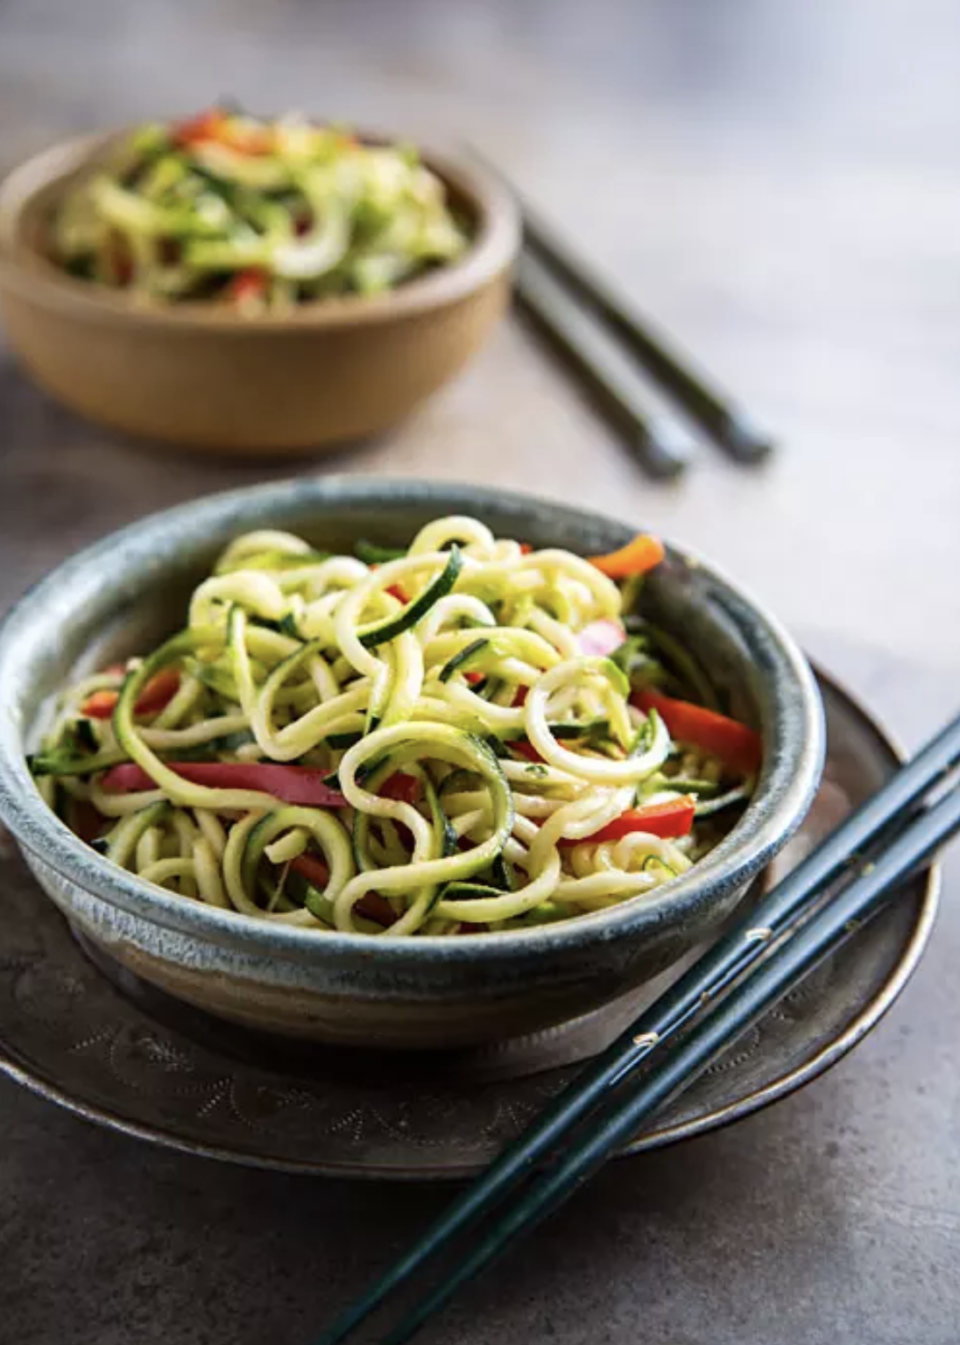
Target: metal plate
121, 1054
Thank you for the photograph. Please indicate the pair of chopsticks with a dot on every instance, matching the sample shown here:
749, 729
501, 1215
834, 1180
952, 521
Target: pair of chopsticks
575, 309
788, 932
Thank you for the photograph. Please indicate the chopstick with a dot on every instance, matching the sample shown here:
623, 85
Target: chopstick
717, 414
714, 410
661, 445
824, 931
773, 920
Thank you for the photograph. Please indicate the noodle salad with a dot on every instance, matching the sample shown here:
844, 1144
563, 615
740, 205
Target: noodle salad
255, 215
465, 736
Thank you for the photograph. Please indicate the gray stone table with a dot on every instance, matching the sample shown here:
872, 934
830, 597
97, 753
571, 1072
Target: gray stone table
777, 183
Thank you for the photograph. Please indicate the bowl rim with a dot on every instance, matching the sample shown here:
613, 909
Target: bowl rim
26, 271
785, 789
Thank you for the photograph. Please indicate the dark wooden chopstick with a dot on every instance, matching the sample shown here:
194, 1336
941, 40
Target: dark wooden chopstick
660, 444
796, 958
718, 414
726, 423
770, 920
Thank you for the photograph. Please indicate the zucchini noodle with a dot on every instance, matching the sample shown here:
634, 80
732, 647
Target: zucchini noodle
422, 742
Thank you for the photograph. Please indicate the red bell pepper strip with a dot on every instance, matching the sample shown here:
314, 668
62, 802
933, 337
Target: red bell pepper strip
155, 696
247, 285
601, 637
100, 705
301, 785
402, 788
313, 869
642, 554
395, 590
740, 748
371, 904
669, 819
216, 126
204, 126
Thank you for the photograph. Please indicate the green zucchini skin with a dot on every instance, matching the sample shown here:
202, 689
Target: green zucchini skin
463, 659
385, 631
372, 554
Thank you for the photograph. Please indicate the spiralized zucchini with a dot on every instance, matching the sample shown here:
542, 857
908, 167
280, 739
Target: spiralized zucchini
259, 215
421, 742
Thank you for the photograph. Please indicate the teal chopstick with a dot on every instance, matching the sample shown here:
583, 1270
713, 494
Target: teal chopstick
714, 410
727, 424
712, 974
660, 444
678, 1068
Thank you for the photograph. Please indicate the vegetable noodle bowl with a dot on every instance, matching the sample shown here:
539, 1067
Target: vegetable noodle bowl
465, 736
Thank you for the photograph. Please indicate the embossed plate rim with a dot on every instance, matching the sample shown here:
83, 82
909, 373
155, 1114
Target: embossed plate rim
716, 1117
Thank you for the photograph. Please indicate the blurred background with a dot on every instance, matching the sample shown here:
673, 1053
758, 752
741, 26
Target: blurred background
775, 183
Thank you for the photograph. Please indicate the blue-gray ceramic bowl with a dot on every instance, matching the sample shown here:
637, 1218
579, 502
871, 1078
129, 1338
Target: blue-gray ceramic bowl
125, 592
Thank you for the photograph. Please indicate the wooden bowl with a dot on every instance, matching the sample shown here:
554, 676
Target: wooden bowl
334, 370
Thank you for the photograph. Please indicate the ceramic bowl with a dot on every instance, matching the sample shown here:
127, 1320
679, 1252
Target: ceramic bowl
332, 371
127, 591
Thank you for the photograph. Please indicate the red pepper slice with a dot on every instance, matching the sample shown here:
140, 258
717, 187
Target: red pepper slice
395, 590
671, 818
205, 125
247, 285
301, 785
642, 554
158, 693
371, 904
100, 705
215, 125
313, 869
740, 748
601, 637
402, 788
155, 696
